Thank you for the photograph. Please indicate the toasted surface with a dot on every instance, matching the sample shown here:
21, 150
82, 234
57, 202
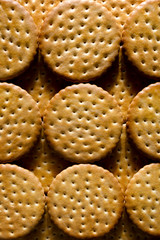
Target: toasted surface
120, 9
142, 39
37, 9
21, 201
18, 39
79, 39
83, 123
20, 122
142, 198
85, 201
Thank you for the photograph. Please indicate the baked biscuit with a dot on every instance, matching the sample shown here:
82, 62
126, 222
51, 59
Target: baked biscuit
143, 121
85, 201
79, 39
141, 38
18, 39
21, 201
83, 123
142, 199
20, 122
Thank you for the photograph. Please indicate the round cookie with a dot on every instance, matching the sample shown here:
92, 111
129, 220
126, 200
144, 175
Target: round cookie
18, 39
21, 201
141, 37
83, 123
20, 122
85, 201
143, 120
142, 199
79, 39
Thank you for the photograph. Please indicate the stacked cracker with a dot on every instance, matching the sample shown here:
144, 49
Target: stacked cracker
82, 124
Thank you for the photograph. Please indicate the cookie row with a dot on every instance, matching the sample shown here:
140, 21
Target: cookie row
86, 201
82, 122
119, 9
83, 200
79, 40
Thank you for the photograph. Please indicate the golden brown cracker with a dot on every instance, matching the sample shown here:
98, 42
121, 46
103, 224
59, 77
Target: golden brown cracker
143, 121
18, 39
85, 201
142, 199
21, 201
83, 123
20, 122
79, 39
142, 39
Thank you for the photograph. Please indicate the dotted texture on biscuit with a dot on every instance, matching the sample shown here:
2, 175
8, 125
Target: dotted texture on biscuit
21, 201
38, 9
141, 37
120, 9
83, 123
18, 39
85, 201
144, 120
20, 122
142, 199
79, 39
